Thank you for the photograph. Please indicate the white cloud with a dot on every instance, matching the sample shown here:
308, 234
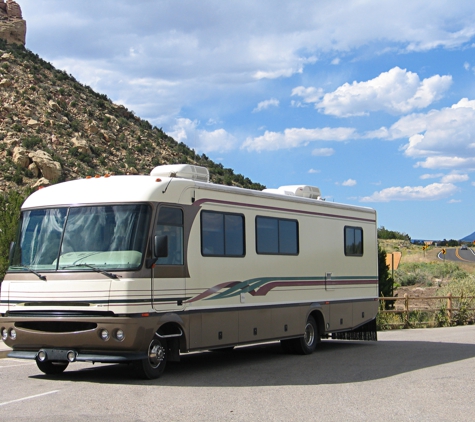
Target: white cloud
431, 176
396, 92
349, 182
447, 163
455, 178
186, 131
263, 105
309, 95
313, 171
413, 193
454, 201
196, 50
443, 138
293, 138
323, 152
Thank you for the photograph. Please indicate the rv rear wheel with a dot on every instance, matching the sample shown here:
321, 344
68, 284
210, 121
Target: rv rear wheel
52, 368
308, 343
154, 364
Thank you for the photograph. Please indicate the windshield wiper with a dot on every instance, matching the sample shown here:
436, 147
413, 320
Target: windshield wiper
97, 270
24, 267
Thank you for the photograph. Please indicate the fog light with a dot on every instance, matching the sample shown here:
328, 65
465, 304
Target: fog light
13, 334
105, 335
71, 356
4, 334
120, 335
41, 356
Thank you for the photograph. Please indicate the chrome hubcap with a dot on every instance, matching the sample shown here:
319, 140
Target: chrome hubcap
309, 335
156, 354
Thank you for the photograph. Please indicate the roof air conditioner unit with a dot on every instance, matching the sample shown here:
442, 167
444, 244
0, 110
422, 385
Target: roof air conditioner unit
183, 171
303, 191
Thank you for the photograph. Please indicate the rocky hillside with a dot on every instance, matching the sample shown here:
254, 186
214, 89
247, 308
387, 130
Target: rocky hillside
52, 128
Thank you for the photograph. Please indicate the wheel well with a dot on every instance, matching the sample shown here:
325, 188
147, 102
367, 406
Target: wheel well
318, 316
175, 343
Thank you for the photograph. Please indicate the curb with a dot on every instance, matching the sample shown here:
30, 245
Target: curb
4, 353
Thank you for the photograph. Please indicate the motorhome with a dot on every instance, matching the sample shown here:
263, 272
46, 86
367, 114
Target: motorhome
141, 269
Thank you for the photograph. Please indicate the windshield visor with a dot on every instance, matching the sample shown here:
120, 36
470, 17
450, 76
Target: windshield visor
106, 237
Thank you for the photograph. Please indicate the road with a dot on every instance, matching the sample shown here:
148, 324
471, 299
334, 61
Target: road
458, 255
420, 375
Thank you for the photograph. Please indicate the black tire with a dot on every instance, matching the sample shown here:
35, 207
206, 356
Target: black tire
154, 364
307, 344
52, 368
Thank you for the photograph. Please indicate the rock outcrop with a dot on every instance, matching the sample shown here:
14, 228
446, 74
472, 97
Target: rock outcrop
12, 24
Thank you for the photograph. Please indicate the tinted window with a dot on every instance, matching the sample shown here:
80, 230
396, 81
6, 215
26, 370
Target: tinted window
170, 224
353, 241
222, 234
276, 236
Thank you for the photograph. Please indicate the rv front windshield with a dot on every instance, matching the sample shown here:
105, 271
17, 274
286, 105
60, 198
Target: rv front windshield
81, 238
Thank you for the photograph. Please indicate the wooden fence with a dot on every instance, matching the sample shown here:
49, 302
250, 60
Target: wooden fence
448, 307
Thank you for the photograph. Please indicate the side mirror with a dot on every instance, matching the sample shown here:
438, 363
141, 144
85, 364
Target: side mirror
160, 250
160, 247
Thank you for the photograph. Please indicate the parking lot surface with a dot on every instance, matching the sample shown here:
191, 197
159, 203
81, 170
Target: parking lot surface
423, 375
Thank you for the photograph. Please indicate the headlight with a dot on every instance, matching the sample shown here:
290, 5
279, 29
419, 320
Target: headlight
4, 334
120, 335
13, 334
104, 335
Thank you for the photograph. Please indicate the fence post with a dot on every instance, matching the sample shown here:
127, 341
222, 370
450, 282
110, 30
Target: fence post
406, 310
449, 307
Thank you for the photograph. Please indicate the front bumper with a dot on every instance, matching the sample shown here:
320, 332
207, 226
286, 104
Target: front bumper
81, 335
61, 355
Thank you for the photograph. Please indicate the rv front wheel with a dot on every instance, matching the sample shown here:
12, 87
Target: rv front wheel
154, 364
51, 368
308, 343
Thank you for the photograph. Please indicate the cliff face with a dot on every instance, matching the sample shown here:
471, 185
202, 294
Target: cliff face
12, 24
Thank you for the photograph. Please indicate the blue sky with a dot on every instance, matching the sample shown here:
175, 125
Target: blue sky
372, 101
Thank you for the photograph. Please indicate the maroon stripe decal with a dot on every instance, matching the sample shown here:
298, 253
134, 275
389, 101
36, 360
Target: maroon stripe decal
262, 291
213, 290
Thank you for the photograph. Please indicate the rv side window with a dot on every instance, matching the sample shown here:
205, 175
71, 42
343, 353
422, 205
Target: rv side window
353, 241
170, 224
222, 234
277, 236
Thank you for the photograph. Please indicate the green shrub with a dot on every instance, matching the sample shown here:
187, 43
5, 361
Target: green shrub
17, 127
31, 142
9, 215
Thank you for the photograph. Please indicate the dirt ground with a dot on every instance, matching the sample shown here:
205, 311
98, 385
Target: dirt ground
421, 295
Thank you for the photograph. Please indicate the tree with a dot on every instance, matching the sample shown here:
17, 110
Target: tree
10, 204
384, 233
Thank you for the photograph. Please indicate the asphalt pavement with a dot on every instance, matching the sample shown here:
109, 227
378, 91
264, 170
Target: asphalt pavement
408, 375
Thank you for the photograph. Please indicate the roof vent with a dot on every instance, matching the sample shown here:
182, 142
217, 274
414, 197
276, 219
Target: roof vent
183, 171
303, 191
